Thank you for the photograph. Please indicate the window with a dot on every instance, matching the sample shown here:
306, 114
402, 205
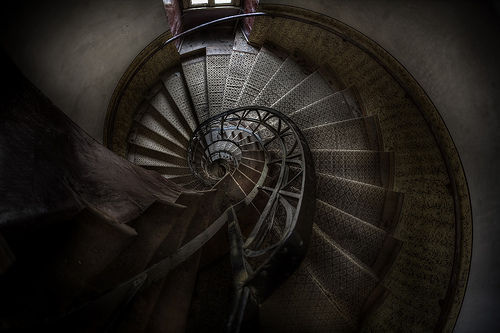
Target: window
210, 3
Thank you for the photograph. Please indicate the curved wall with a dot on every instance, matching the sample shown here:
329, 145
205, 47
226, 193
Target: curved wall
452, 50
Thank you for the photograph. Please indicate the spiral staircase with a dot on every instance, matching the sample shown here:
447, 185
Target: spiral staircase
250, 185
241, 120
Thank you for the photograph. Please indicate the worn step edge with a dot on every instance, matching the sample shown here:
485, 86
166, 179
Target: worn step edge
387, 165
391, 215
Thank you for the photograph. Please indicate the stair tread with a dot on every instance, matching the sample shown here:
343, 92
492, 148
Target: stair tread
152, 228
177, 88
312, 89
361, 239
144, 138
180, 179
302, 305
144, 160
329, 109
370, 167
143, 311
372, 204
240, 64
341, 274
265, 65
152, 120
142, 155
283, 80
194, 69
174, 300
168, 171
164, 105
358, 134
217, 68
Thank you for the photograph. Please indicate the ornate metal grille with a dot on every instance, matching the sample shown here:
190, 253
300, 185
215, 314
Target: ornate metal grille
278, 240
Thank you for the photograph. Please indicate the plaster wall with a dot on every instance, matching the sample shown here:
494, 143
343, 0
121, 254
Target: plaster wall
76, 51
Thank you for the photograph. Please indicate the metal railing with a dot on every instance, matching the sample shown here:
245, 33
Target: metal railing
278, 240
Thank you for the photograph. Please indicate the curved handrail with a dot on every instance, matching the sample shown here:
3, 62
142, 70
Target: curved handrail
291, 193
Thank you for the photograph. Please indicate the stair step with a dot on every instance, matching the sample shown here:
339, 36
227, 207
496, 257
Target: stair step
253, 154
217, 67
348, 280
312, 89
232, 190
177, 88
359, 238
332, 108
372, 204
181, 179
145, 156
240, 64
138, 315
265, 65
172, 307
155, 122
167, 170
195, 74
353, 134
302, 305
194, 185
143, 137
244, 182
249, 171
163, 103
370, 167
152, 227
286, 77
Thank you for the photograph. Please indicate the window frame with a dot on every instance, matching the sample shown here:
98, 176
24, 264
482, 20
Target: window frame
211, 3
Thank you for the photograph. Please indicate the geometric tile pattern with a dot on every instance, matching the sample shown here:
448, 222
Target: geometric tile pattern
286, 77
265, 65
217, 70
196, 79
177, 88
168, 112
329, 109
371, 167
363, 201
302, 305
160, 125
310, 90
353, 235
348, 280
144, 138
240, 65
357, 134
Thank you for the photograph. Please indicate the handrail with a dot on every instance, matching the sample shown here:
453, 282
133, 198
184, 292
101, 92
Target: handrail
280, 236
214, 22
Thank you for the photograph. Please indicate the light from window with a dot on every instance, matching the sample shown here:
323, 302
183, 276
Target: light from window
221, 2
199, 2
